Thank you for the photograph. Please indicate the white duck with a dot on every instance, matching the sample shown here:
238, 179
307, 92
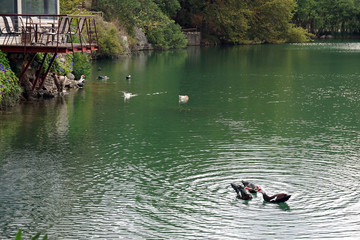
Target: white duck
183, 98
81, 82
128, 95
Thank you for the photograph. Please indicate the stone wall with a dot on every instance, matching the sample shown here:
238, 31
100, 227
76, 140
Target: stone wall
194, 38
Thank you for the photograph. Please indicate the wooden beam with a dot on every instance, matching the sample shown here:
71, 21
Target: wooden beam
47, 71
39, 72
26, 67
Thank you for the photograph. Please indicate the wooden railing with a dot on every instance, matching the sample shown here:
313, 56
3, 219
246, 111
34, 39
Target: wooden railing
47, 33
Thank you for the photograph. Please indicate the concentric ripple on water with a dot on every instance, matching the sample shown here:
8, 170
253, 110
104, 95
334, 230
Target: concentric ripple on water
285, 117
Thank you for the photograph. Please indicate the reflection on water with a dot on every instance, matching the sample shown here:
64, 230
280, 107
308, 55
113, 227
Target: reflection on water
91, 165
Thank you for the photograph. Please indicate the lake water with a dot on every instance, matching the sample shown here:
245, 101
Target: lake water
93, 165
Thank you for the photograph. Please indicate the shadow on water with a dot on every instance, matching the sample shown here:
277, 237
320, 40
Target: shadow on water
283, 206
237, 202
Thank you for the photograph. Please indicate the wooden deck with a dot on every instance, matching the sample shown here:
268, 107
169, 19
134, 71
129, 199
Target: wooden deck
30, 33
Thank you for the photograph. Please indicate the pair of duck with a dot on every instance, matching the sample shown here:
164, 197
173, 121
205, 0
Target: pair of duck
128, 77
245, 191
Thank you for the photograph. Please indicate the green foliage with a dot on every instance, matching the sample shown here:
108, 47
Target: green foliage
325, 16
228, 19
270, 20
148, 15
242, 21
36, 237
167, 36
18, 235
69, 6
78, 64
9, 86
233, 21
161, 31
81, 65
62, 65
110, 41
306, 14
168, 7
298, 35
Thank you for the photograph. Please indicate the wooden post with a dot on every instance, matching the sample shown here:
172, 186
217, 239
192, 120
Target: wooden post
38, 74
47, 71
26, 67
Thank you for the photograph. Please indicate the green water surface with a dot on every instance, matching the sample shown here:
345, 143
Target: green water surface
93, 165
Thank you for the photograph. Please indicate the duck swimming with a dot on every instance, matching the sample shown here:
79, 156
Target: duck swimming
103, 77
277, 198
241, 192
127, 95
183, 98
249, 186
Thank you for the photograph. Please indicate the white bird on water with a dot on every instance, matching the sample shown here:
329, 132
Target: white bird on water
183, 98
81, 81
128, 95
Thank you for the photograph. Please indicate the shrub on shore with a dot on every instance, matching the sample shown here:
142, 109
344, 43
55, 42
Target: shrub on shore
9, 87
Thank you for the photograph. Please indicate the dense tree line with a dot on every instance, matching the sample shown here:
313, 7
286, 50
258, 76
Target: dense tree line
329, 16
231, 21
220, 21
243, 21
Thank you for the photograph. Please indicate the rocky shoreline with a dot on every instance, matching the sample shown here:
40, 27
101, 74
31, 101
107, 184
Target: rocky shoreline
54, 84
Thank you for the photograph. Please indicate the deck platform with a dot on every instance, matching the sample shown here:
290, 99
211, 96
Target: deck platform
30, 33
49, 34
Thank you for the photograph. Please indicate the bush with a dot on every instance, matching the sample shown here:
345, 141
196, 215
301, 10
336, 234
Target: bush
298, 35
151, 16
160, 30
168, 36
81, 65
9, 87
62, 65
78, 64
110, 41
